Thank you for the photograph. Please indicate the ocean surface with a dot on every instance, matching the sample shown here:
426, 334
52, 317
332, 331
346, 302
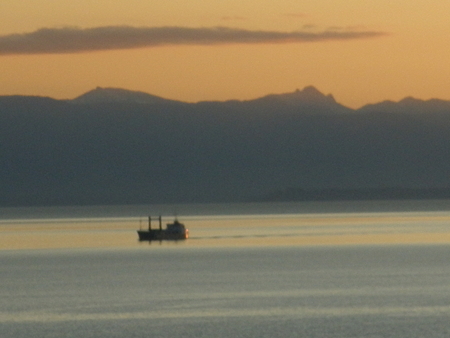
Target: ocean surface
337, 269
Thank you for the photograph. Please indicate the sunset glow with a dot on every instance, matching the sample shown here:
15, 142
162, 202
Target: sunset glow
361, 52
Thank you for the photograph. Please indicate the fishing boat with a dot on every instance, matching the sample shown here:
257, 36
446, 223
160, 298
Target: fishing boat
173, 232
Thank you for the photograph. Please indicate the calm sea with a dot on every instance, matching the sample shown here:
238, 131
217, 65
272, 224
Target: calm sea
376, 269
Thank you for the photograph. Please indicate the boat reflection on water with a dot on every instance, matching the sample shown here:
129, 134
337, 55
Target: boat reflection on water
173, 232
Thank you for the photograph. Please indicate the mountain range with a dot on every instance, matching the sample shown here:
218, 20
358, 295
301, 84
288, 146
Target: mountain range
114, 146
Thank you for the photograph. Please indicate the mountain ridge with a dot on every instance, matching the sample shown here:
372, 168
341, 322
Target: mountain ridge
111, 94
308, 94
127, 151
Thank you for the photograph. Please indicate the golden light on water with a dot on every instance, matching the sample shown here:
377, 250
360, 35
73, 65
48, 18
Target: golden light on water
277, 230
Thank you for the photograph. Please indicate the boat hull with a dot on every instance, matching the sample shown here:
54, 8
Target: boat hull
159, 235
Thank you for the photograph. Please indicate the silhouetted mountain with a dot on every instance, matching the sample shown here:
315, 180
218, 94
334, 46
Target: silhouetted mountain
115, 95
308, 96
113, 146
408, 105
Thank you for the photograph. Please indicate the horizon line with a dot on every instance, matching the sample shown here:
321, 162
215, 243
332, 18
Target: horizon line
405, 98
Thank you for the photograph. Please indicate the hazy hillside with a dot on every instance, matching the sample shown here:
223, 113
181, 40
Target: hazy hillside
115, 146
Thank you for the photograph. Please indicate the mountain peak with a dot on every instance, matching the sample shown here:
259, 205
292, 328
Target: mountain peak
309, 95
409, 100
114, 95
310, 90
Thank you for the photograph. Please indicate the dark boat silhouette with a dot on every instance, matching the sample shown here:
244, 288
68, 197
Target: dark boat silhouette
173, 232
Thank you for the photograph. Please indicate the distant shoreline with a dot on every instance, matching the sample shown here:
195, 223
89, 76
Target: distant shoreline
343, 194
279, 196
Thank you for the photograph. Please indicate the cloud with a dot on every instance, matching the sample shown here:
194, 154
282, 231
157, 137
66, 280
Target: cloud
76, 40
347, 28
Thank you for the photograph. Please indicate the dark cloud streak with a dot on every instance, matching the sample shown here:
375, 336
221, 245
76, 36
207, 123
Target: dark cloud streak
76, 40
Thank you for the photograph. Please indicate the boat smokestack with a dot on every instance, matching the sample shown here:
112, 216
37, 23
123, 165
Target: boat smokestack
149, 223
160, 223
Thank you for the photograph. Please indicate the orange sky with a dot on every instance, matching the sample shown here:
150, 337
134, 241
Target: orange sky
378, 50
